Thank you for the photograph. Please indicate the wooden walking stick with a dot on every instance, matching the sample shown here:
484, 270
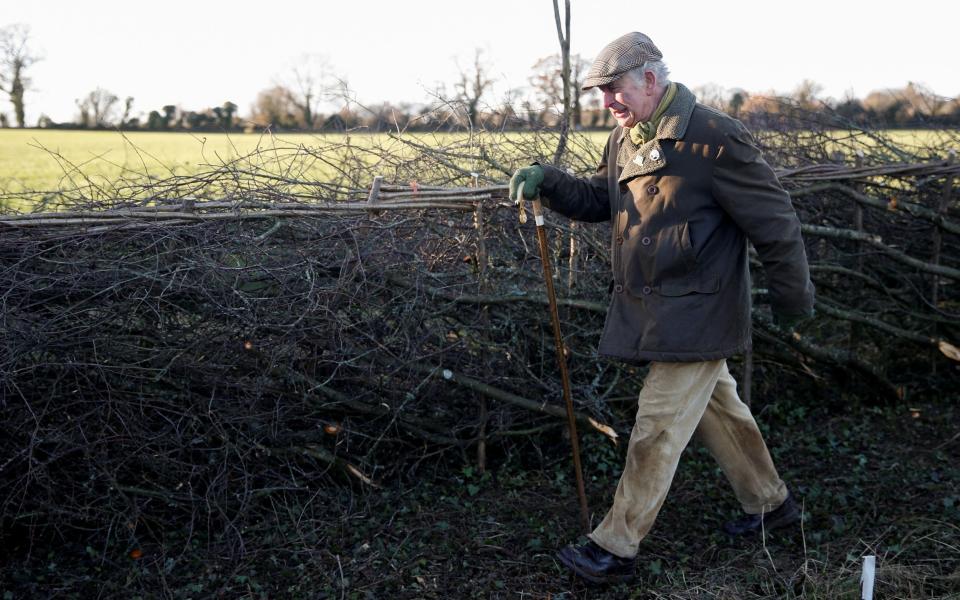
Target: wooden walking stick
561, 357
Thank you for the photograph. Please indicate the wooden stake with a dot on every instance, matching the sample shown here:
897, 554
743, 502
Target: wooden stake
485, 324
858, 225
938, 244
374, 192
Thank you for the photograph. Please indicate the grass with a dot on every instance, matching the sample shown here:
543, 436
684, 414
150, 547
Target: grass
872, 480
47, 165
47, 160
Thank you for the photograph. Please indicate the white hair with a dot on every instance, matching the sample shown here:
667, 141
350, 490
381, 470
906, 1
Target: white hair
657, 67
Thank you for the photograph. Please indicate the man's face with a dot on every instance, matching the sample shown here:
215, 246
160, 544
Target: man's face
629, 102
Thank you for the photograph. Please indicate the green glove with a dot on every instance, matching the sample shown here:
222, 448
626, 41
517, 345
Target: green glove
790, 322
530, 178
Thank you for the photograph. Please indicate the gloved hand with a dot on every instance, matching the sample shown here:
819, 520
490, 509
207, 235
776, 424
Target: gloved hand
790, 322
530, 179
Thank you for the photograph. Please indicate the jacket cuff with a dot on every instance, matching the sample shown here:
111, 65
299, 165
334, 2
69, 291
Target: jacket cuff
552, 177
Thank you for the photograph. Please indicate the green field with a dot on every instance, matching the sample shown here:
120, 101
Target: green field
49, 160
38, 161
38, 165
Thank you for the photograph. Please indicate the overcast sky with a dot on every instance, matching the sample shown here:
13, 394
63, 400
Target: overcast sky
199, 54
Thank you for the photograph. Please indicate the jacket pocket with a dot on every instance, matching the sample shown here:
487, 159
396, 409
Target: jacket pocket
668, 255
675, 250
709, 284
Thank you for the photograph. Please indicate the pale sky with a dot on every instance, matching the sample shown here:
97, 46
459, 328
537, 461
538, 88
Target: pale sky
199, 54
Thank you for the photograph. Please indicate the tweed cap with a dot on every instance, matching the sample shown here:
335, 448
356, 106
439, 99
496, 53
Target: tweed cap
619, 56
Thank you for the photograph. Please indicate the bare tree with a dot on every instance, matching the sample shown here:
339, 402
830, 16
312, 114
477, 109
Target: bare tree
535, 115
760, 104
547, 80
15, 58
471, 88
127, 105
597, 115
226, 114
97, 108
274, 108
712, 95
911, 104
506, 113
737, 98
311, 84
563, 33
172, 116
925, 102
807, 94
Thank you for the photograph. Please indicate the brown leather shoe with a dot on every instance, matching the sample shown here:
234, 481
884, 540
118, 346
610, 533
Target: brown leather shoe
782, 516
591, 562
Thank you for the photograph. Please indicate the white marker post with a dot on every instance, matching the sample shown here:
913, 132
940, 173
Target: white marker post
868, 577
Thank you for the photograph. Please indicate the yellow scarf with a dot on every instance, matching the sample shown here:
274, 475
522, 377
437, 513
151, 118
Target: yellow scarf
643, 132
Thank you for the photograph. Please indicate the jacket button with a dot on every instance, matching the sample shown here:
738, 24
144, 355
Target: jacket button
652, 190
645, 241
618, 288
647, 289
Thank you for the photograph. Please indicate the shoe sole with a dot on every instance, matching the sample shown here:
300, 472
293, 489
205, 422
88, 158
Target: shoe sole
594, 578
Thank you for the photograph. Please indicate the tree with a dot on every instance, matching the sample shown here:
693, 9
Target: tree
736, 102
199, 119
503, 116
169, 114
346, 117
534, 115
97, 108
127, 105
712, 95
547, 80
887, 106
155, 120
471, 88
564, 36
761, 105
924, 103
806, 94
335, 122
598, 116
226, 115
15, 58
274, 108
851, 110
312, 81
83, 119
761, 111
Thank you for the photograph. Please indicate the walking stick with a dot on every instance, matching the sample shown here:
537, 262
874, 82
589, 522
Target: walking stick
561, 357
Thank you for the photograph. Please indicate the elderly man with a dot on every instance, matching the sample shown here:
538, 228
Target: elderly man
685, 187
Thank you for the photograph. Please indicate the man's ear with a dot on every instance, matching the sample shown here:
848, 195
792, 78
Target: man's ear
650, 81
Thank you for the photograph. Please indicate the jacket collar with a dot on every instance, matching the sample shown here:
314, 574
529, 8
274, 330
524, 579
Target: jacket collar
639, 160
674, 122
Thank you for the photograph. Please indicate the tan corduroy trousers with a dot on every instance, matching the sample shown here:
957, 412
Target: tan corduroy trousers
676, 400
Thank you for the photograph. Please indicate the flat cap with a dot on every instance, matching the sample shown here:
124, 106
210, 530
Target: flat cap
619, 56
